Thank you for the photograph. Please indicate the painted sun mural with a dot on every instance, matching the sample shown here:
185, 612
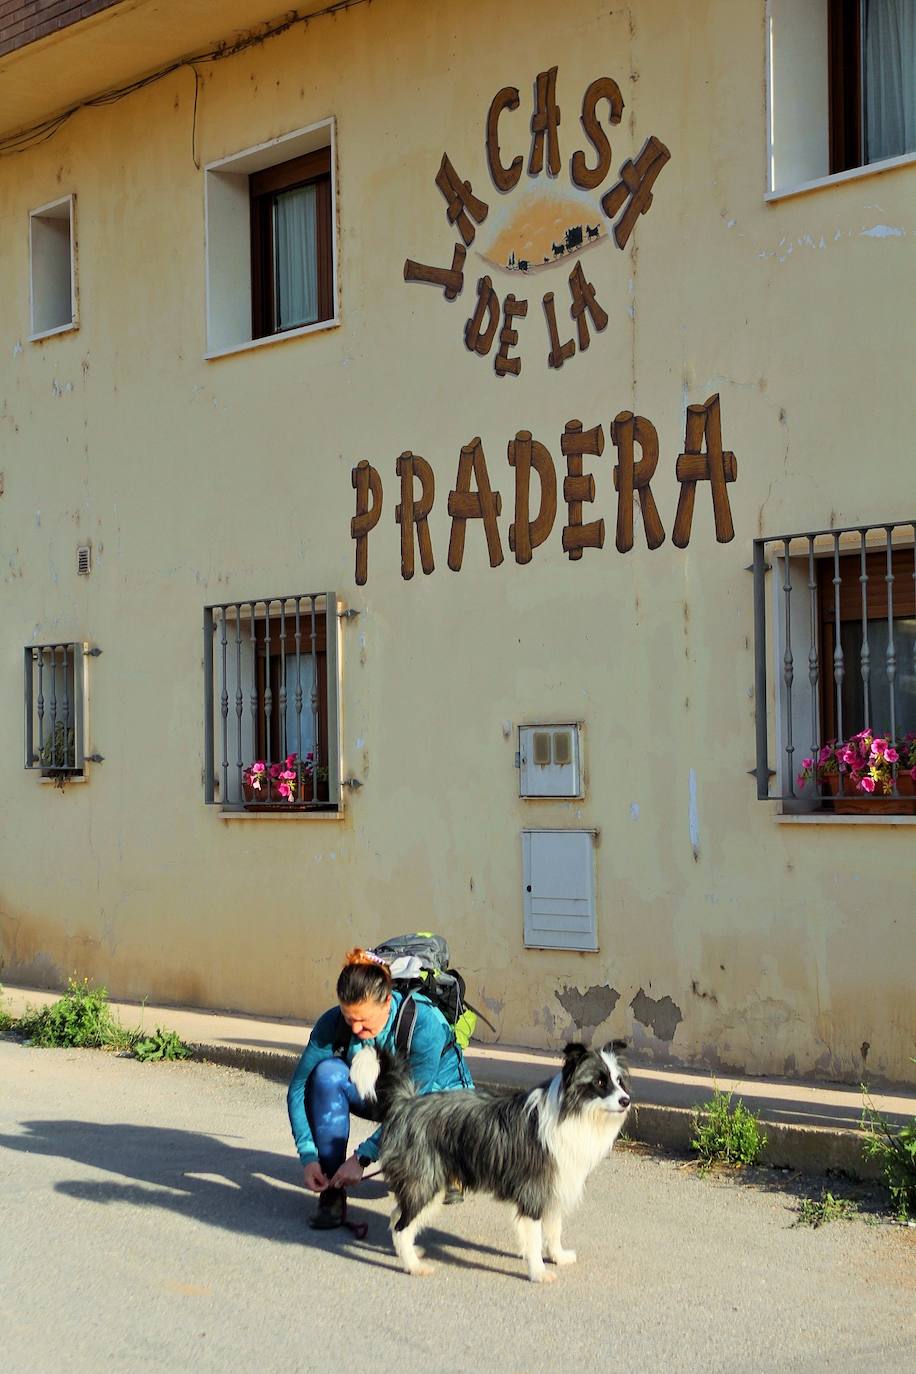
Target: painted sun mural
544, 230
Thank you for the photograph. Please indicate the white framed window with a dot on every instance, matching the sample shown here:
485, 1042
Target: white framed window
271, 241
52, 268
841, 90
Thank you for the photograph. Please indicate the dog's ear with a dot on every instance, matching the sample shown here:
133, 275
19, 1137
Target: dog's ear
573, 1054
616, 1047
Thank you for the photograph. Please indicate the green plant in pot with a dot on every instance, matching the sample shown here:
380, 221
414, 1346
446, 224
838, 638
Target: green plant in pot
58, 752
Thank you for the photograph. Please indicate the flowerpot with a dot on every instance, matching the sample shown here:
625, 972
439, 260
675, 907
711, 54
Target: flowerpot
848, 801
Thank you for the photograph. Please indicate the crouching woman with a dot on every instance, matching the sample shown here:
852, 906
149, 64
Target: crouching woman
322, 1095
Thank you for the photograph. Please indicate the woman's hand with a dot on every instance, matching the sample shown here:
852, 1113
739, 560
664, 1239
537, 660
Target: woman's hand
314, 1179
350, 1172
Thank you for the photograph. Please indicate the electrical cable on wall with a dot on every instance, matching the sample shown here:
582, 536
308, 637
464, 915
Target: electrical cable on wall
37, 134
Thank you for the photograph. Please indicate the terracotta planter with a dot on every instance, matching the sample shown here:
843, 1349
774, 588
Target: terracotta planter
269, 799
848, 801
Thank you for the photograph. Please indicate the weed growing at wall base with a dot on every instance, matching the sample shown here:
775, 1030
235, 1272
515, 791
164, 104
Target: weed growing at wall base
724, 1134
818, 1211
81, 1018
162, 1044
895, 1150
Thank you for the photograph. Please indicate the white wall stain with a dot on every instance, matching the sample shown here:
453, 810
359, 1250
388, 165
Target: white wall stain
693, 814
882, 231
634, 811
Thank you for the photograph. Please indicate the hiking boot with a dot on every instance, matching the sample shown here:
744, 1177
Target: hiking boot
453, 1193
331, 1212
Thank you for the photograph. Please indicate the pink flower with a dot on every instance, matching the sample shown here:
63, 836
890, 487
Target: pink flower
288, 776
879, 746
913, 774
290, 761
284, 789
275, 770
867, 784
807, 763
259, 767
824, 754
891, 755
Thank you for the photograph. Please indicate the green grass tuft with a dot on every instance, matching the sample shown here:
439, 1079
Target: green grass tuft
818, 1211
725, 1134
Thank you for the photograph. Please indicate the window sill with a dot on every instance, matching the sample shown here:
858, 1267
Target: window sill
854, 174
69, 328
270, 339
286, 816
822, 818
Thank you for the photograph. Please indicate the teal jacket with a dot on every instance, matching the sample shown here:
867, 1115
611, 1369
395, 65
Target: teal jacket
436, 1065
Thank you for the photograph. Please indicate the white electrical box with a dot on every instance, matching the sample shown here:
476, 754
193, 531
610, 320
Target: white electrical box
558, 874
549, 761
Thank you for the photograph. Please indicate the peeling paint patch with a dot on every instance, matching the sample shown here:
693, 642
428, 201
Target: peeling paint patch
634, 811
662, 1014
882, 231
589, 1008
693, 815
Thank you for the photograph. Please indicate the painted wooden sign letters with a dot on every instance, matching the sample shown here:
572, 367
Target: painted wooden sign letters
630, 196
546, 232
473, 497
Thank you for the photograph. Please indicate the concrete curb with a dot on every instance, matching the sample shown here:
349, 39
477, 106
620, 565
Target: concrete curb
806, 1149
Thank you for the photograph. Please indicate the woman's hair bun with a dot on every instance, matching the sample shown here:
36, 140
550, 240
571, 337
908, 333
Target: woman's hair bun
363, 956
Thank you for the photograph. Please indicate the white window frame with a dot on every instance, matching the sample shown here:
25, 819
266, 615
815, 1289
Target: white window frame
227, 239
779, 111
53, 210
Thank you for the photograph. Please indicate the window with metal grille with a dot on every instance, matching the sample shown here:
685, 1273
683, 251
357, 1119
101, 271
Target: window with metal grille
842, 606
55, 696
271, 704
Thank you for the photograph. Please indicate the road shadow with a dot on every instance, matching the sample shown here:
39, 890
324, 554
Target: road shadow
212, 1181
869, 1198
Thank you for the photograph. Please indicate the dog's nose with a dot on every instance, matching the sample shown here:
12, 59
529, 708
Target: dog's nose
624, 1102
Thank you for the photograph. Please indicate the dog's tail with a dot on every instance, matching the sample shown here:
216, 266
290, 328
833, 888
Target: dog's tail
381, 1077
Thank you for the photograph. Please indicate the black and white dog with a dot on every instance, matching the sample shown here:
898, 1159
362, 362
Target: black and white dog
535, 1149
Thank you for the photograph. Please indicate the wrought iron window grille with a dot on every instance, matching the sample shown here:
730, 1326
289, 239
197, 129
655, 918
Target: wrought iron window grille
271, 675
54, 690
842, 606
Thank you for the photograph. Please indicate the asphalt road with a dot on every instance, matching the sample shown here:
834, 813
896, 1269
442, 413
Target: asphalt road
152, 1219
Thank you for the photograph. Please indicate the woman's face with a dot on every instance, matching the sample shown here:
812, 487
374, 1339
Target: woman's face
366, 1019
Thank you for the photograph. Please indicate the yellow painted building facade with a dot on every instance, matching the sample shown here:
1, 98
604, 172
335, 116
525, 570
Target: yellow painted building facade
200, 467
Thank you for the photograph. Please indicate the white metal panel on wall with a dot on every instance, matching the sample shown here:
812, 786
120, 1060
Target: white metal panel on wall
558, 868
549, 761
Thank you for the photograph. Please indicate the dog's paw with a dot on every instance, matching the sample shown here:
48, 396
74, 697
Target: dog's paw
543, 1276
561, 1257
421, 1271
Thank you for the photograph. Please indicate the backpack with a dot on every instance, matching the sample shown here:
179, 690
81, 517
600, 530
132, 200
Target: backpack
420, 964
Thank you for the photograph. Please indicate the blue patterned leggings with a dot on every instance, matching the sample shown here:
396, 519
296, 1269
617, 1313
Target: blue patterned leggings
330, 1097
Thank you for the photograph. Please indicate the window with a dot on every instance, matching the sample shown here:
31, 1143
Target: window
271, 704
291, 275
842, 605
841, 87
55, 697
271, 241
52, 273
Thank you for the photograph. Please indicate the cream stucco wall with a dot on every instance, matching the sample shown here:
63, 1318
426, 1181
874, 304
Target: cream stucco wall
782, 948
